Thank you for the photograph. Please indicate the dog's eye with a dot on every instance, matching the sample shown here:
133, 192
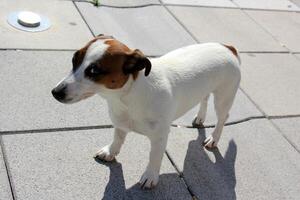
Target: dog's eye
93, 70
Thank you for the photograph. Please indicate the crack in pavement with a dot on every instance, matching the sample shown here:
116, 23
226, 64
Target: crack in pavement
107, 126
180, 174
112, 6
183, 5
8, 173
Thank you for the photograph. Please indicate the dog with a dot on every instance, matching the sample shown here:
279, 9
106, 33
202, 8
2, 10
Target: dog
145, 95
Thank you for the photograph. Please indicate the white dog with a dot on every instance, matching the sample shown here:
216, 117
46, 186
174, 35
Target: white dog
148, 102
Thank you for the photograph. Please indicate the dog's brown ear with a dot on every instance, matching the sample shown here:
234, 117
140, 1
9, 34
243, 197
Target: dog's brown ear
105, 36
136, 61
78, 58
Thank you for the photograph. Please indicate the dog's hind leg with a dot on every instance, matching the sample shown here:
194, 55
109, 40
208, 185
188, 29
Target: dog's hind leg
202, 111
223, 99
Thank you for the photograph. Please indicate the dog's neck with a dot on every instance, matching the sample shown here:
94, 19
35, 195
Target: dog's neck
114, 94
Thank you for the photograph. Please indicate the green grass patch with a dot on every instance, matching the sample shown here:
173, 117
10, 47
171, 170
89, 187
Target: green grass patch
95, 2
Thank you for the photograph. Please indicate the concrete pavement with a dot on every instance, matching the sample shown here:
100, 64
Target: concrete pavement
47, 148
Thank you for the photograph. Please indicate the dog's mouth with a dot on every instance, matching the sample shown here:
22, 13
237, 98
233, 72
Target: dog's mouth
62, 94
65, 100
68, 100
87, 95
71, 100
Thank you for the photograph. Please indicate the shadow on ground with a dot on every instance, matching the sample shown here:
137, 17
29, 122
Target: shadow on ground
206, 179
168, 187
210, 176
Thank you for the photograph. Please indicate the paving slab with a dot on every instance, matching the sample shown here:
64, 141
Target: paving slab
297, 2
5, 192
284, 26
229, 26
151, 29
60, 165
272, 82
242, 108
268, 4
27, 78
67, 31
214, 3
253, 161
290, 127
297, 56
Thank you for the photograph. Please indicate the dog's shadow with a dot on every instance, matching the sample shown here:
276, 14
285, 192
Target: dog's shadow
205, 178
208, 174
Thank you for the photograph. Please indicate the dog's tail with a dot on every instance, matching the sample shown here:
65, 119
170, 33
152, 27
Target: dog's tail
234, 51
238, 56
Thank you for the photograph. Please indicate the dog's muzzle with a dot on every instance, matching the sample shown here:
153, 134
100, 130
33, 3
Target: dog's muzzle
59, 92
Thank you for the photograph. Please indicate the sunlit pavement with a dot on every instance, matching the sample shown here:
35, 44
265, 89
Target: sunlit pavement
47, 148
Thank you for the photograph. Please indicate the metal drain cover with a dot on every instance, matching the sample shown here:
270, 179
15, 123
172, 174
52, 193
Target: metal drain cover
28, 21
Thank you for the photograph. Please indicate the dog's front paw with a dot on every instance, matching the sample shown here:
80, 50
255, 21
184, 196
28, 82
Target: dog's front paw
198, 122
210, 142
105, 154
149, 179
200, 119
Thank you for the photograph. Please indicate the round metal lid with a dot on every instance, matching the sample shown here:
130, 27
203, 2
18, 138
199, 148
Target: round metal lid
28, 21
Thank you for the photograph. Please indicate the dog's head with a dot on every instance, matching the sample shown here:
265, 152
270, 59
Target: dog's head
103, 63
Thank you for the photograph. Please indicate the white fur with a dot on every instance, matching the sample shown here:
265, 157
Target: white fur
177, 82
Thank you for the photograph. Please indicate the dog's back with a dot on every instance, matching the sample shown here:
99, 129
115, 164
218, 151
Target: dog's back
197, 70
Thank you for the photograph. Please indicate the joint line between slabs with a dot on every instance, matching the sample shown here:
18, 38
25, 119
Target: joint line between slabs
269, 118
23, 49
49, 130
8, 174
266, 31
253, 102
154, 56
65, 129
179, 22
226, 124
180, 174
57, 50
270, 10
112, 6
265, 52
199, 6
188, 5
285, 137
83, 19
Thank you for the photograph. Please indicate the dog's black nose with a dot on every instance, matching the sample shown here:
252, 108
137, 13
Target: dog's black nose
60, 91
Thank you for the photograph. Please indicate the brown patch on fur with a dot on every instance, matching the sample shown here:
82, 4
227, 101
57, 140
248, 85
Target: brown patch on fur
117, 63
116, 60
135, 75
137, 61
116, 47
232, 49
113, 61
79, 55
